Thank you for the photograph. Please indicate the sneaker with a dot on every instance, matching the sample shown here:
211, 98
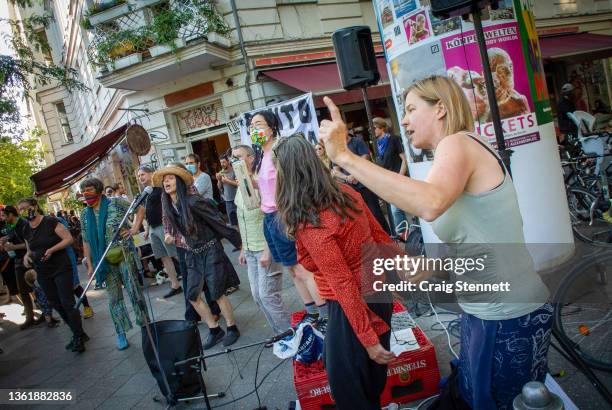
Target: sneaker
83, 338
309, 318
231, 337
87, 312
173, 292
70, 345
122, 342
78, 345
231, 290
321, 325
53, 322
213, 339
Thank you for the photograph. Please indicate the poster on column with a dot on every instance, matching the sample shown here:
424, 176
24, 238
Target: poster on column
295, 115
463, 65
431, 46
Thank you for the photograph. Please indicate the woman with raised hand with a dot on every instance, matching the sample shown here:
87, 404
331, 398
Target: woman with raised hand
470, 199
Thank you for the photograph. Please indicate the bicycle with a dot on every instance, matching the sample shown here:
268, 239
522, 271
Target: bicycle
583, 318
588, 183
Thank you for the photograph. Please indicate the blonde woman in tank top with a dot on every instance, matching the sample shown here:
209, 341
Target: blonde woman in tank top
470, 199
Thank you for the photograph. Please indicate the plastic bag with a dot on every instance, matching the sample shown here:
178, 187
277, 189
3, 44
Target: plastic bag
306, 345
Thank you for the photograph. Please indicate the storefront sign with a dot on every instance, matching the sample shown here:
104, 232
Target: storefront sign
295, 115
205, 116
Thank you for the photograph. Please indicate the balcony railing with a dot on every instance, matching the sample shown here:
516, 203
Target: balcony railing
129, 32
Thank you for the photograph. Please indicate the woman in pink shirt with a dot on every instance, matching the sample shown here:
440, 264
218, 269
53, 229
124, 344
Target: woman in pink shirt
264, 130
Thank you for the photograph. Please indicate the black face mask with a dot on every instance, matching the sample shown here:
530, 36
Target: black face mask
28, 215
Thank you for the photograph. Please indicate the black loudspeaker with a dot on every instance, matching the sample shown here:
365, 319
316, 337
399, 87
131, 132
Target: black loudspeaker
450, 8
175, 340
355, 57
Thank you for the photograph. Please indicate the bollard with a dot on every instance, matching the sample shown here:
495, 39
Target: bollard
535, 396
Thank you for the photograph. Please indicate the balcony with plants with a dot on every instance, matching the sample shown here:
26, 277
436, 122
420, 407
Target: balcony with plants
136, 44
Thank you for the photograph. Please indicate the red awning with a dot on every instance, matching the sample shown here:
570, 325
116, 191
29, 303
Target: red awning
63, 173
574, 44
324, 79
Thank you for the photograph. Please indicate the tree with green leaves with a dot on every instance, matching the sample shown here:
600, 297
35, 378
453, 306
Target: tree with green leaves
18, 161
20, 72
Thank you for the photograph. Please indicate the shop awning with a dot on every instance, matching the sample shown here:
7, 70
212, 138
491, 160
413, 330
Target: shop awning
574, 44
324, 79
63, 173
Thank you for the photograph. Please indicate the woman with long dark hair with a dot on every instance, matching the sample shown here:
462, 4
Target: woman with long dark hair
46, 240
331, 224
203, 227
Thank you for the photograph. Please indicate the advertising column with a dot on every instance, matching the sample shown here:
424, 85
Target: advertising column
418, 45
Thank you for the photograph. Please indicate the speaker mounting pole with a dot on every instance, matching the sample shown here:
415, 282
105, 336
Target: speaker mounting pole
366, 102
504, 153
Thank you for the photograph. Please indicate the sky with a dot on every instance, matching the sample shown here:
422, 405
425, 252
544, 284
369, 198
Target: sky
4, 48
4, 27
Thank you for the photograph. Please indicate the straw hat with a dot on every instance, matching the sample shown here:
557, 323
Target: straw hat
174, 168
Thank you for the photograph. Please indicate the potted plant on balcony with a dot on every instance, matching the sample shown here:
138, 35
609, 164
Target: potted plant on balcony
165, 30
216, 27
102, 11
122, 49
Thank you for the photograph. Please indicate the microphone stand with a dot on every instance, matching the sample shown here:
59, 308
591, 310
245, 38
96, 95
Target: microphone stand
224, 351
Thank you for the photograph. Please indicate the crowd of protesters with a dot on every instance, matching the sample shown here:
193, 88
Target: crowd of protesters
315, 209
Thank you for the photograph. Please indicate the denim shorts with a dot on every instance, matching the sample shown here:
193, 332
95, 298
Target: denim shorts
282, 248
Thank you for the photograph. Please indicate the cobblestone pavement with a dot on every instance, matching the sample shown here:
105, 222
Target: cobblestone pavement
105, 378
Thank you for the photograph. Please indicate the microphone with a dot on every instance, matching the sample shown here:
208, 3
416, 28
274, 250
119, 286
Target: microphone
143, 195
288, 332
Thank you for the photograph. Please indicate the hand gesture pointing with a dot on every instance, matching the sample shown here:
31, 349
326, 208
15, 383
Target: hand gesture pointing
333, 134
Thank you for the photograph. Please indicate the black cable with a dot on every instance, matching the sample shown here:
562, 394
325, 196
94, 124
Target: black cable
256, 373
252, 391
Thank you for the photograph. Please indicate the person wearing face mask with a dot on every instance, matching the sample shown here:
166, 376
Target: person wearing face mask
471, 202
264, 130
100, 219
46, 240
201, 180
265, 276
13, 242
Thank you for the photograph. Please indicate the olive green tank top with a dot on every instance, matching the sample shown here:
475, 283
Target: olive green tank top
490, 223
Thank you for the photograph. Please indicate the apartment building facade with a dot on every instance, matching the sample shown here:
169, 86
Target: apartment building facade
185, 93
187, 97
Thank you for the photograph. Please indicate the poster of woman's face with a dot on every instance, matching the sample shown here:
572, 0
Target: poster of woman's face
418, 27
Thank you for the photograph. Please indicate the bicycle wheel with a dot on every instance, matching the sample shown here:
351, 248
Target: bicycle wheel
583, 310
579, 202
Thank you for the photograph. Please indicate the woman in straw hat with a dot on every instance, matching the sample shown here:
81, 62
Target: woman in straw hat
194, 217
